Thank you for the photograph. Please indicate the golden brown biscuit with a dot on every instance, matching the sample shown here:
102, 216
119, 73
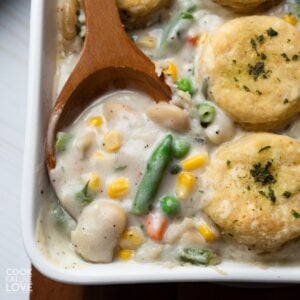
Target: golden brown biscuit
255, 183
253, 70
246, 6
136, 13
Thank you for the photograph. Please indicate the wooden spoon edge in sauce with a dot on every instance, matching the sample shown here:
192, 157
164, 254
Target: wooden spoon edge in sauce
109, 60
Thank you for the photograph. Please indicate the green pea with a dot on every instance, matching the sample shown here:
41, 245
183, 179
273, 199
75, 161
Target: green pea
175, 169
207, 114
169, 205
185, 85
180, 148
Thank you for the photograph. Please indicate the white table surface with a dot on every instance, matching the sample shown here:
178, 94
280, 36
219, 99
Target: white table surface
14, 42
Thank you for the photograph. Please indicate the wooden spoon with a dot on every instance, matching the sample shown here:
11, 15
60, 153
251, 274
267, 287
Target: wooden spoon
109, 60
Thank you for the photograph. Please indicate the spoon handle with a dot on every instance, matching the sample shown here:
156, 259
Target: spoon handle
106, 40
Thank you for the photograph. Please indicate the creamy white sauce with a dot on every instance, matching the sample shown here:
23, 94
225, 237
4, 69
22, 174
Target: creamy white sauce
140, 137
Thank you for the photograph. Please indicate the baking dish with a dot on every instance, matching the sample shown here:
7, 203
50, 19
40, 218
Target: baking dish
36, 186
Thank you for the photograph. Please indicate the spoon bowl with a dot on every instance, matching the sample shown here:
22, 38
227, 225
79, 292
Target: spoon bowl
109, 60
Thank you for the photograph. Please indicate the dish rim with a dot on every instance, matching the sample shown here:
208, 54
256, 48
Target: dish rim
110, 273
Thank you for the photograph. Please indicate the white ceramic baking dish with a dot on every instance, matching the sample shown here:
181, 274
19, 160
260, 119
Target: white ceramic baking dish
41, 74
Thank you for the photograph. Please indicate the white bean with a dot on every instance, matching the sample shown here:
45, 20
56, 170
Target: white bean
169, 116
98, 230
221, 130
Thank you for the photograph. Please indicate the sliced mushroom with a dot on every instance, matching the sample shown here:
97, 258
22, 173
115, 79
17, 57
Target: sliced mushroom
98, 230
69, 19
169, 116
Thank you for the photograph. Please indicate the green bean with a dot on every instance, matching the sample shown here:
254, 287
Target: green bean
150, 182
298, 8
207, 114
61, 219
197, 256
174, 31
62, 140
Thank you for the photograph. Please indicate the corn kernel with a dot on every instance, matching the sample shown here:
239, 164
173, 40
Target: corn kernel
112, 141
94, 182
195, 162
118, 188
132, 238
95, 121
125, 254
290, 19
172, 71
207, 233
185, 184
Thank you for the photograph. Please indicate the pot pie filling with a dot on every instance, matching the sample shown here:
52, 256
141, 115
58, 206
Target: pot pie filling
196, 180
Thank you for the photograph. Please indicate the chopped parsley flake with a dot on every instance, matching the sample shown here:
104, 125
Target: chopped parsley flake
271, 195
120, 168
253, 45
258, 70
228, 163
287, 194
263, 56
284, 55
258, 92
271, 32
261, 173
264, 148
295, 57
263, 193
246, 88
186, 15
83, 196
260, 38
286, 101
295, 214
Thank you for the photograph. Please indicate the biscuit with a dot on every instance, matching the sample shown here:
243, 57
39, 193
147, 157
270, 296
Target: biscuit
136, 13
247, 6
255, 186
252, 66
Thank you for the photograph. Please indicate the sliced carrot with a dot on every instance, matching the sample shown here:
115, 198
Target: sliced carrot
156, 225
193, 40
